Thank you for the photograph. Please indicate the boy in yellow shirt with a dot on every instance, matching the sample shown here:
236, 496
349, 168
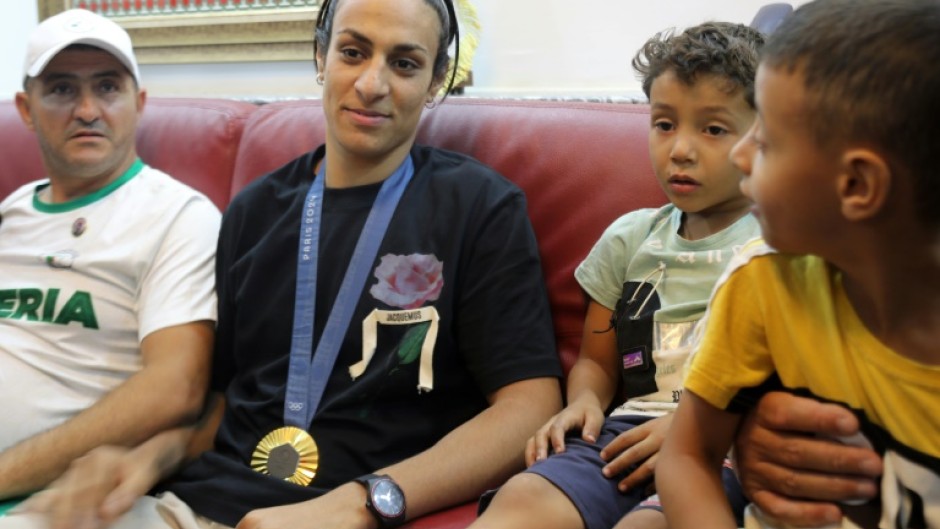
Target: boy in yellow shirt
844, 303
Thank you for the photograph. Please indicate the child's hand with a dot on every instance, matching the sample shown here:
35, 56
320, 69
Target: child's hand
585, 414
640, 446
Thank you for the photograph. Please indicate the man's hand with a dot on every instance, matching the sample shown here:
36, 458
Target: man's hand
98, 488
639, 445
795, 476
101, 486
584, 414
167, 391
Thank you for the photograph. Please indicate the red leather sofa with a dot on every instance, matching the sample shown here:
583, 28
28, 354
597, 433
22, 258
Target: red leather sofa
580, 164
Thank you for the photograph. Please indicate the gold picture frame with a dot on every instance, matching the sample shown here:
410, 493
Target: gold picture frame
270, 34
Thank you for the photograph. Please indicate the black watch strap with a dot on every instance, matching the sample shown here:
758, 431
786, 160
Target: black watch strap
384, 499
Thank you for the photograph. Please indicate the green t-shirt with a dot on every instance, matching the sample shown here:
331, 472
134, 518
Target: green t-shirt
633, 247
644, 246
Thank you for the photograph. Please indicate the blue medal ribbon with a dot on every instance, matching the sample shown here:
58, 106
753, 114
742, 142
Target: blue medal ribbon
306, 376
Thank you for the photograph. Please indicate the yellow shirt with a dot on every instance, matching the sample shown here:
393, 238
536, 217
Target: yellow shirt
775, 315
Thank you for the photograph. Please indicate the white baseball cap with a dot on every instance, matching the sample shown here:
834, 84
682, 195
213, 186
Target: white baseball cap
77, 26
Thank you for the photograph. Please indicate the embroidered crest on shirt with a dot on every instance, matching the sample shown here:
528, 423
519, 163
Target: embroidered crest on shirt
60, 259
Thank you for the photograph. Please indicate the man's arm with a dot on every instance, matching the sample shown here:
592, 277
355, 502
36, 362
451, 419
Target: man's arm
168, 390
780, 462
481, 453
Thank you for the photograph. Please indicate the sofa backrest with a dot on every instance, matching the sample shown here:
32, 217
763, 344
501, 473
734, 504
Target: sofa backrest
19, 151
195, 140
581, 165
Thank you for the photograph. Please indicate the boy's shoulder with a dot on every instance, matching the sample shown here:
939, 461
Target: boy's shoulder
752, 249
748, 254
641, 222
664, 224
758, 259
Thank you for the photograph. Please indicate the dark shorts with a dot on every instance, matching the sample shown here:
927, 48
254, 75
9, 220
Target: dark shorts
577, 473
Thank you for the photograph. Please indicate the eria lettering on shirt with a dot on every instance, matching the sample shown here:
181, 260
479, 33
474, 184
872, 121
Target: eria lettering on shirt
32, 304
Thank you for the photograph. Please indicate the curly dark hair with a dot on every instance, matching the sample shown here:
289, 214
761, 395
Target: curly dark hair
719, 48
871, 76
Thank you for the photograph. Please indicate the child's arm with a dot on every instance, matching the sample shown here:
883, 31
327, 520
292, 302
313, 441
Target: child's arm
592, 384
596, 374
688, 475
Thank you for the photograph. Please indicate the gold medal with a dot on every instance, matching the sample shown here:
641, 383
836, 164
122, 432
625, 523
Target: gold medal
287, 453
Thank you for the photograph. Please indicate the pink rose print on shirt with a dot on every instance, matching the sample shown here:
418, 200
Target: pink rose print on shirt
408, 281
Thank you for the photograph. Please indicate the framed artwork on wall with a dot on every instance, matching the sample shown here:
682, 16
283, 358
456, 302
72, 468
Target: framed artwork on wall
195, 31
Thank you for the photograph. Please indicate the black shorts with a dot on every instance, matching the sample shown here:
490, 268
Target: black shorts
577, 473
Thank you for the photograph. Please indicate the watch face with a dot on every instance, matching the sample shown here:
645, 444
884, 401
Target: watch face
387, 498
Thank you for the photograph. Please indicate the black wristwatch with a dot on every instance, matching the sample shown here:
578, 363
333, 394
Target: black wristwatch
384, 499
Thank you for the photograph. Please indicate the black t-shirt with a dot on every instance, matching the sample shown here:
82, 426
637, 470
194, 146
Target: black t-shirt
459, 240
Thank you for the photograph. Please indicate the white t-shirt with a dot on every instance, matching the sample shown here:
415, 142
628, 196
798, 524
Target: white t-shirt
83, 282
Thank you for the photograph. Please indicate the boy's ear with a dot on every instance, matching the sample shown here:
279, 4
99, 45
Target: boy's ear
863, 184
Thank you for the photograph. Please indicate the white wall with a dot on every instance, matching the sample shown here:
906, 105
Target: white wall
19, 18
581, 47
528, 48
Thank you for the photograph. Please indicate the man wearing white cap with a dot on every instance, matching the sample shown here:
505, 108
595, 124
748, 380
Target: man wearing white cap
107, 300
